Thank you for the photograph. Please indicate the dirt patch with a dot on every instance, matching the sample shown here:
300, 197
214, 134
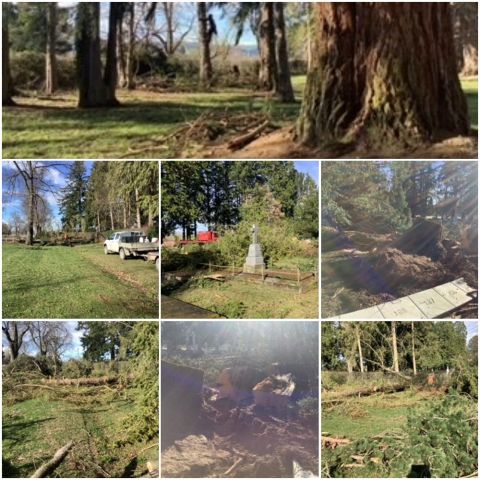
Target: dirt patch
281, 144
399, 270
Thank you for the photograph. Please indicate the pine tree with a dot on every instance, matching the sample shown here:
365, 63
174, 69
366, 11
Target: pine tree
73, 199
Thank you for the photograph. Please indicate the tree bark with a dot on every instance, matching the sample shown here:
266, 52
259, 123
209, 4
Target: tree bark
92, 90
414, 360
51, 465
359, 345
121, 57
394, 347
50, 57
7, 87
284, 84
31, 205
206, 70
112, 222
382, 72
131, 46
111, 74
137, 206
268, 64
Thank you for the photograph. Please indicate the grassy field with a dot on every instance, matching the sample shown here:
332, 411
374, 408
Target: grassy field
238, 299
55, 128
369, 416
34, 429
79, 282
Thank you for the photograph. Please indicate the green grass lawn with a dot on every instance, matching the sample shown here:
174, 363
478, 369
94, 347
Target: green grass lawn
368, 416
238, 299
32, 431
79, 282
46, 128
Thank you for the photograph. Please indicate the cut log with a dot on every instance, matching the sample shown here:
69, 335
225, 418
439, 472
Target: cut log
51, 465
106, 380
332, 442
246, 138
365, 392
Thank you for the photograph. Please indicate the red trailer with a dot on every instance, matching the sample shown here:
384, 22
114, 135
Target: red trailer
202, 237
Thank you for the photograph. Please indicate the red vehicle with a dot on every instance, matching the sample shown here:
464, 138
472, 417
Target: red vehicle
202, 237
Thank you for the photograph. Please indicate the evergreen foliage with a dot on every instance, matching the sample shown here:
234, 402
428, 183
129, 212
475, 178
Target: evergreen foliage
143, 422
73, 199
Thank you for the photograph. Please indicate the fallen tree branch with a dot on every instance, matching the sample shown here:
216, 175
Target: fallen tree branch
365, 392
51, 465
233, 467
246, 138
85, 381
334, 442
389, 370
34, 385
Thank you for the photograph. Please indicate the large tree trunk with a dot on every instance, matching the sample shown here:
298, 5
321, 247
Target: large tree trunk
131, 46
121, 57
206, 70
50, 57
7, 87
92, 91
284, 84
414, 359
359, 345
111, 74
31, 205
268, 64
394, 347
137, 206
382, 72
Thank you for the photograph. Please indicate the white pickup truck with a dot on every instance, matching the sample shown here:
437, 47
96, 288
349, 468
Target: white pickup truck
132, 243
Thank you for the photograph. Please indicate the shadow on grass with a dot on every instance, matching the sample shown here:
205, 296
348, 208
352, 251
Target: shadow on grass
20, 431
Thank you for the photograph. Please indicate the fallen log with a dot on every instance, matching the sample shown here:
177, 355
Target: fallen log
51, 465
332, 442
106, 380
246, 138
365, 392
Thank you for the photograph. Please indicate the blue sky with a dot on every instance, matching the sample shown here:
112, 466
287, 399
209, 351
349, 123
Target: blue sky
56, 177
225, 31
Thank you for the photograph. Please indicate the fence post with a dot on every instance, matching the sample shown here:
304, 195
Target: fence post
298, 280
209, 266
233, 268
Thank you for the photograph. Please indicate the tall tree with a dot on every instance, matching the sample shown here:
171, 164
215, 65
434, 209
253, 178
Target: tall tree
206, 30
414, 359
29, 180
393, 326
72, 199
15, 332
115, 19
284, 84
92, 90
7, 86
50, 56
382, 71
268, 76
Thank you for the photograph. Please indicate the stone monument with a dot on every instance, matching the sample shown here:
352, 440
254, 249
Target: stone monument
254, 262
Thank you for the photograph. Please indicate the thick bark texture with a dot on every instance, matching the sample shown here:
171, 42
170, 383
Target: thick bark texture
50, 57
131, 46
92, 90
268, 62
206, 70
382, 72
284, 84
111, 74
7, 87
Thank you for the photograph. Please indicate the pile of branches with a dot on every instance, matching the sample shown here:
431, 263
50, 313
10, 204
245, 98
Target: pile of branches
236, 130
428, 446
